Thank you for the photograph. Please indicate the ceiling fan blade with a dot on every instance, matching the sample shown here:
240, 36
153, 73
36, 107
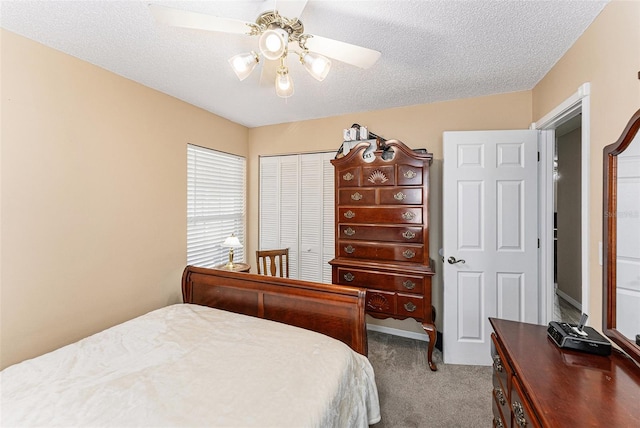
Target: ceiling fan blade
269, 71
290, 8
198, 21
351, 54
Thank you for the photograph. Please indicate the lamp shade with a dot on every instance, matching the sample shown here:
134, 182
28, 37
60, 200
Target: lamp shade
244, 63
284, 84
273, 43
317, 65
232, 242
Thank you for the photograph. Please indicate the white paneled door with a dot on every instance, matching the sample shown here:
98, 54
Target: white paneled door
490, 237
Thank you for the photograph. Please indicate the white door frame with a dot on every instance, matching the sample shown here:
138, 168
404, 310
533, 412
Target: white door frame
577, 103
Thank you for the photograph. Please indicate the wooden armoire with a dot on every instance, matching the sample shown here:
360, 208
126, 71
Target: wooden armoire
382, 230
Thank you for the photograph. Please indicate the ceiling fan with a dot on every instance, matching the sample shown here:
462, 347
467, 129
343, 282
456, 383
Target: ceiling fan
278, 36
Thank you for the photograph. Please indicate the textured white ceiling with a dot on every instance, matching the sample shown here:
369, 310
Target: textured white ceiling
431, 50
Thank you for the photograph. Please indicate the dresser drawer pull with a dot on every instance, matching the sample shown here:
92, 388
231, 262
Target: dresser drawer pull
498, 422
410, 174
349, 249
349, 277
349, 214
518, 413
348, 176
349, 232
408, 234
500, 396
408, 284
399, 196
410, 307
497, 364
408, 254
356, 196
408, 215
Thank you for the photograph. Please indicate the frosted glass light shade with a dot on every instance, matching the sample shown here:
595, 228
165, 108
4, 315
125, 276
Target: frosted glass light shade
284, 84
273, 43
317, 65
244, 63
232, 242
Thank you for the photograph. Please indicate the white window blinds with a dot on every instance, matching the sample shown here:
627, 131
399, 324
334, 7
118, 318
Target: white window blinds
215, 205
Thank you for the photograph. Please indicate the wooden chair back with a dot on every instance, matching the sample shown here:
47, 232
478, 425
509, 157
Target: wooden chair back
273, 262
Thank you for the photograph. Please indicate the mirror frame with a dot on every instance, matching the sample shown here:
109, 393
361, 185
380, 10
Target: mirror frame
609, 241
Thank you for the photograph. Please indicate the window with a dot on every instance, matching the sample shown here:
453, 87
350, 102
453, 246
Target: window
215, 205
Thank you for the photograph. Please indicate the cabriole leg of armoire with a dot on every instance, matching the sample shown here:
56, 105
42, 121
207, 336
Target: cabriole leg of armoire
430, 329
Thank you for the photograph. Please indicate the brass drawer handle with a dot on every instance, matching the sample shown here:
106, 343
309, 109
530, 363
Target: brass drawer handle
518, 413
408, 254
408, 234
349, 214
348, 176
410, 307
349, 232
356, 196
408, 284
497, 364
410, 174
399, 196
349, 249
349, 277
498, 422
500, 396
408, 215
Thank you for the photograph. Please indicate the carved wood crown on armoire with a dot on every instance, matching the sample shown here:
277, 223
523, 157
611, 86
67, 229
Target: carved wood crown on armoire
382, 230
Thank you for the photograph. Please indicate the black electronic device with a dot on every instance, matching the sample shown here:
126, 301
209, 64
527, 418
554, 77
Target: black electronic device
578, 337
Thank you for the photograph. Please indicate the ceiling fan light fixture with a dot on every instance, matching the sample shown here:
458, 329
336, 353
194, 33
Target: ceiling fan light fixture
317, 65
244, 63
284, 84
273, 43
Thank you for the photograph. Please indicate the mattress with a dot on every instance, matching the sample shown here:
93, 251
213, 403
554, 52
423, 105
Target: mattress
191, 365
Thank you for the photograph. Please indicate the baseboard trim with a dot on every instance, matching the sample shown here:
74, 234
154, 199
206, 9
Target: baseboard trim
573, 302
397, 332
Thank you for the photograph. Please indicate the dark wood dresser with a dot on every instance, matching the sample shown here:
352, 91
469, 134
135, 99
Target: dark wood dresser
537, 384
382, 231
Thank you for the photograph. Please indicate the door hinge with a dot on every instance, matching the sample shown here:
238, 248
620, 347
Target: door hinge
538, 242
538, 156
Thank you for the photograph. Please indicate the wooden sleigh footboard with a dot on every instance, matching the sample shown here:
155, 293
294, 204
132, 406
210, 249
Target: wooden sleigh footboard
333, 310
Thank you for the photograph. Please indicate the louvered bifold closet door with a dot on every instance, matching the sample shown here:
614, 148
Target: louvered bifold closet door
328, 216
215, 205
279, 206
296, 212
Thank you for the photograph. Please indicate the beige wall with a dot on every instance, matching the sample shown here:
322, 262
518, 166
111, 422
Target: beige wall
93, 176
568, 211
608, 56
418, 126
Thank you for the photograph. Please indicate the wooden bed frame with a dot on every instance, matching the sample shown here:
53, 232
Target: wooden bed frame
334, 310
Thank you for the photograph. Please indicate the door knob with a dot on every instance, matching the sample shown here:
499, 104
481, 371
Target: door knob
452, 260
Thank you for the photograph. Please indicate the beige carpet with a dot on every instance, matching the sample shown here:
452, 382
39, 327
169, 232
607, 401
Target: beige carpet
411, 395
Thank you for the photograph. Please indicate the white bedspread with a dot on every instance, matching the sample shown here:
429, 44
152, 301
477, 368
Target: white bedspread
190, 365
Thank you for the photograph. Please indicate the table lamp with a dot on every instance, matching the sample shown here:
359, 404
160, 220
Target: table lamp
231, 242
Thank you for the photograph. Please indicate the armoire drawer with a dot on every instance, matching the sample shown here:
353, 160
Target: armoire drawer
381, 251
384, 281
380, 214
409, 234
398, 304
357, 197
349, 177
401, 196
409, 175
